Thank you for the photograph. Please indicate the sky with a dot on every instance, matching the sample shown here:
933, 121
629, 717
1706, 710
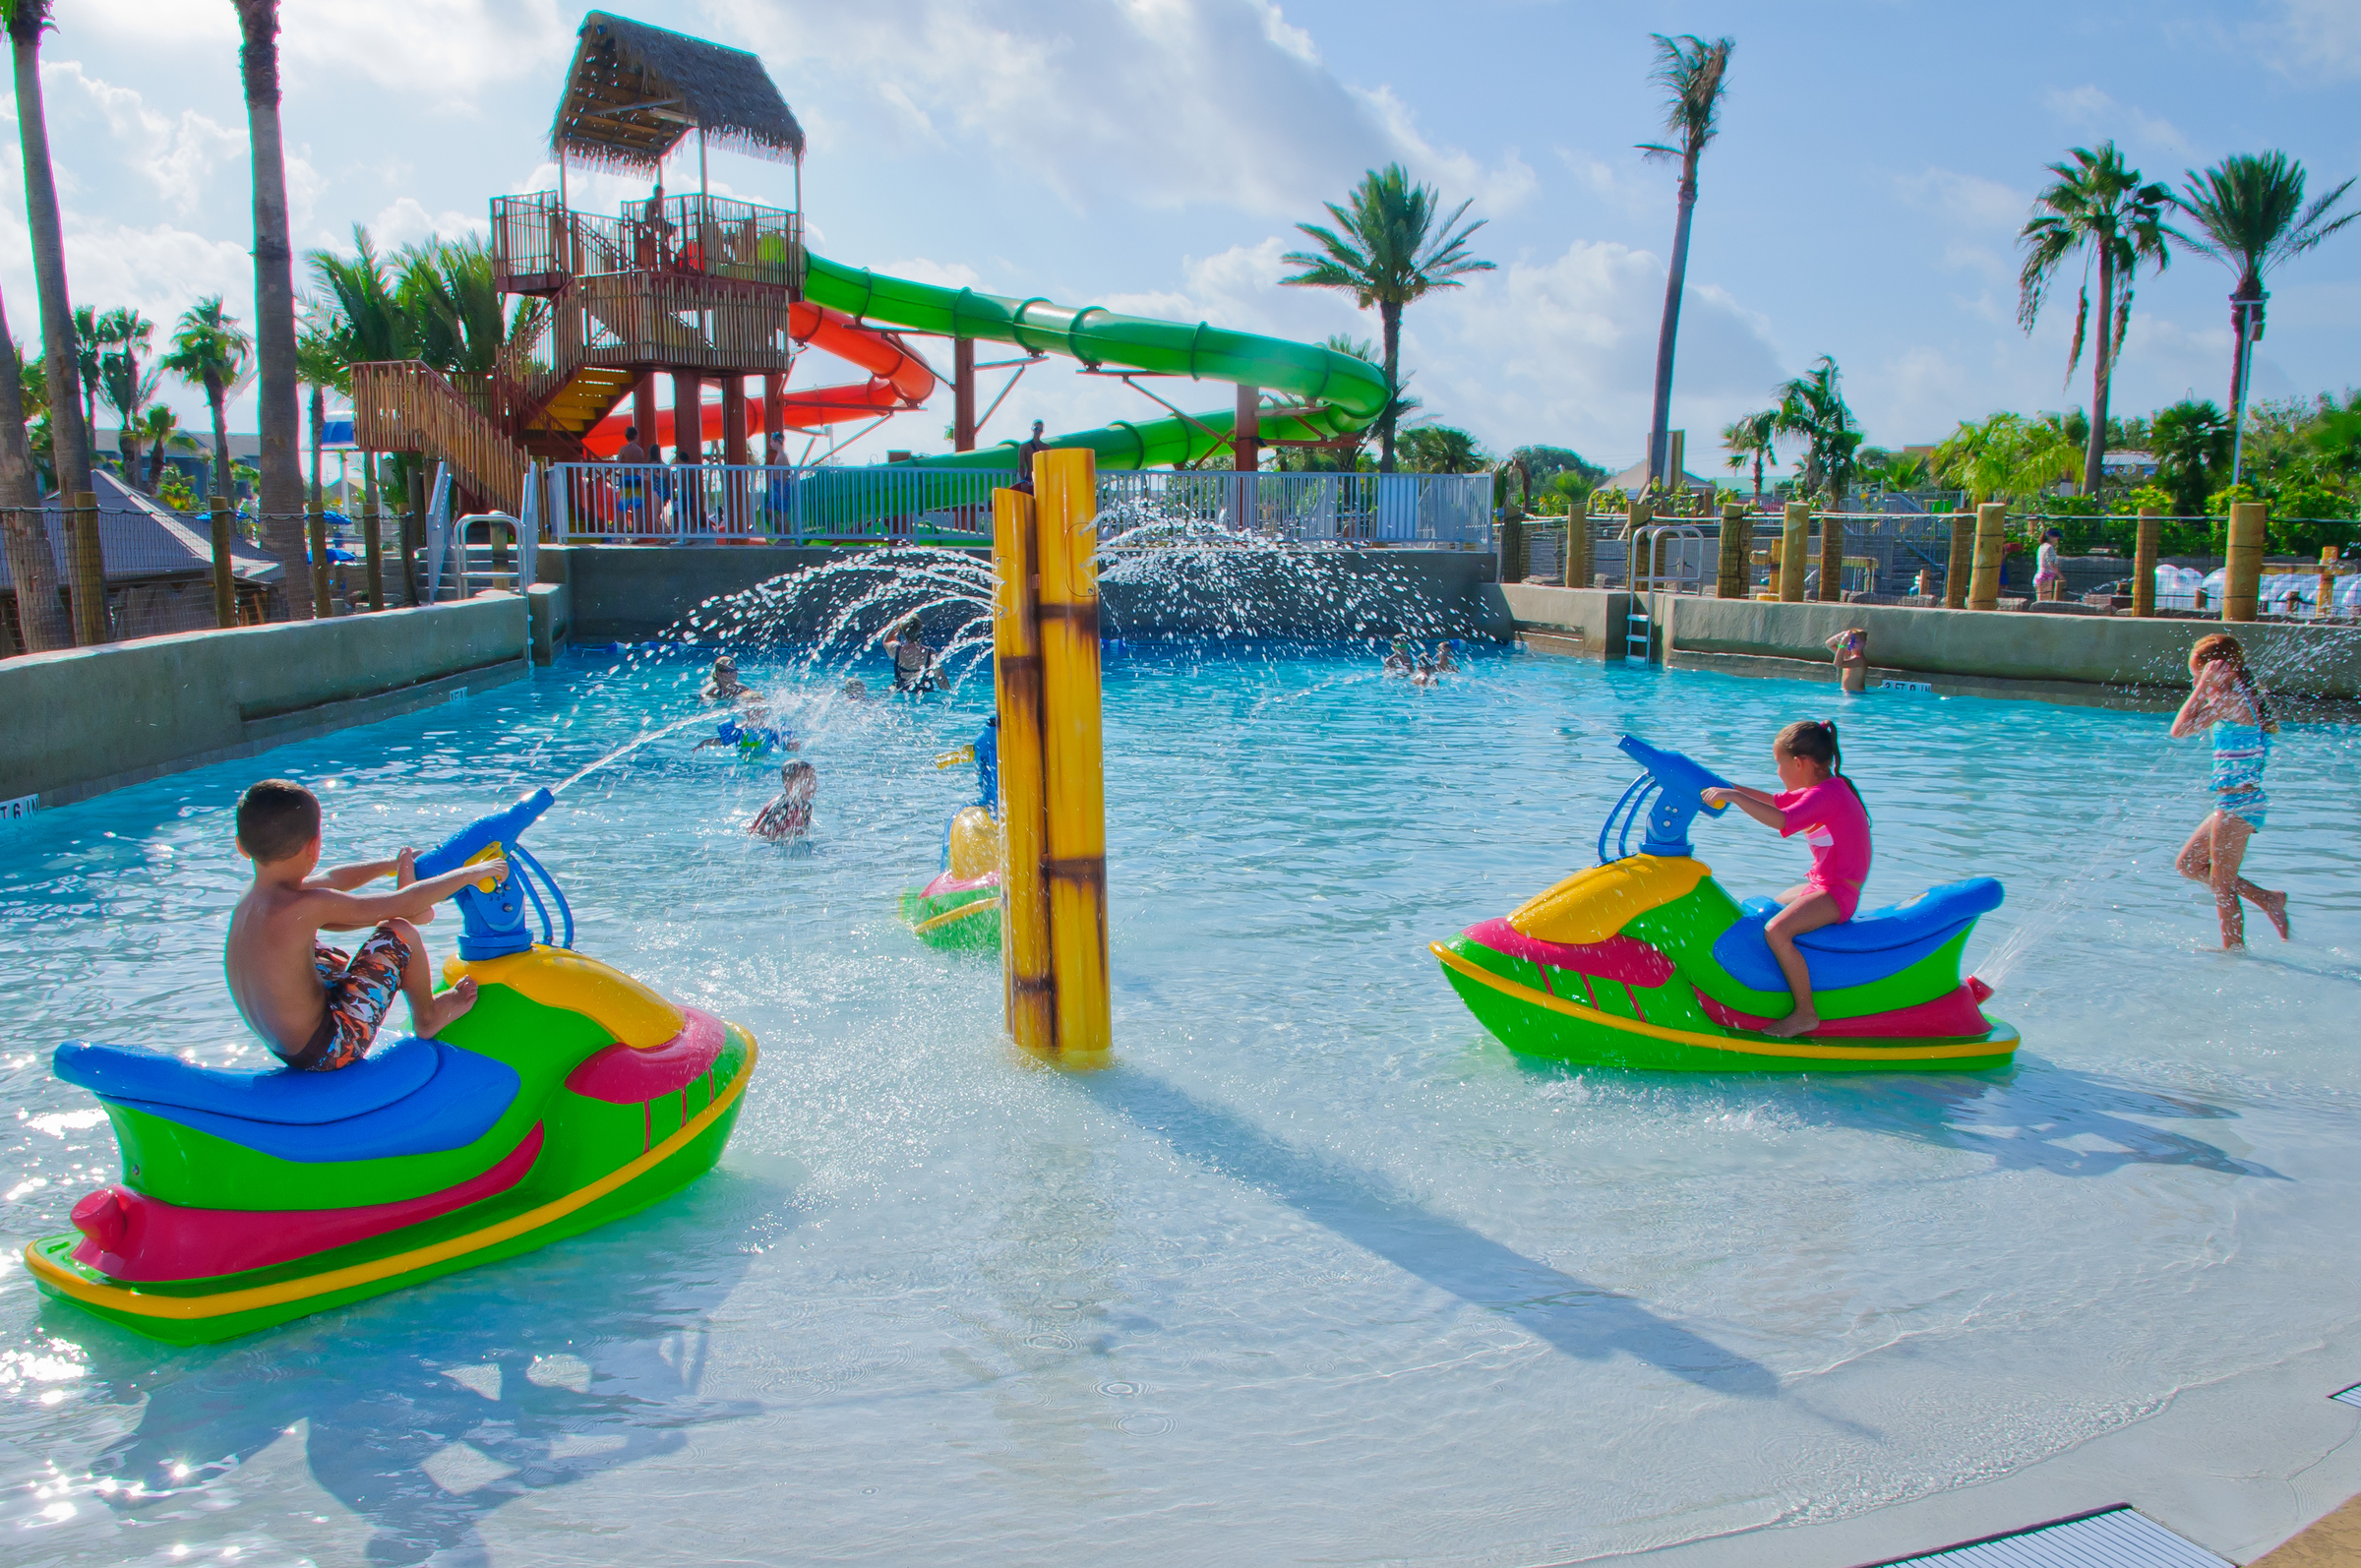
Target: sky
1875, 160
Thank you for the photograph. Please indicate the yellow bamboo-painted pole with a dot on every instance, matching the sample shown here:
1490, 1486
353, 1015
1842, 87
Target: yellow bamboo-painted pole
2144, 562
1016, 687
1962, 561
2245, 567
1732, 580
2325, 605
1798, 524
1991, 542
1065, 487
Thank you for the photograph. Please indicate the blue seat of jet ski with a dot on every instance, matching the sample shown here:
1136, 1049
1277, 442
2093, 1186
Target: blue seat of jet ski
1854, 952
415, 1096
273, 1094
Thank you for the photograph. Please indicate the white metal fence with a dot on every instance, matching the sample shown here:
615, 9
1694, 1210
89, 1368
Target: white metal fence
708, 503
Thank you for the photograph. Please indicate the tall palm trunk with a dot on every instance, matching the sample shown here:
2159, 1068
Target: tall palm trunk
68, 431
215, 397
274, 308
1659, 418
2246, 303
319, 418
1389, 313
2094, 456
40, 620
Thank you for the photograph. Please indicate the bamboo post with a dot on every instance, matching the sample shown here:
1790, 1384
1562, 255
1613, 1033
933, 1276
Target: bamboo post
90, 570
373, 551
413, 532
315, 532
225, 583
2245, 565
1797, 525
1026, 986
1730, 580
1575, 570
2323, 604
1960, 562
1983, 588
1832, 557
1073, 781
2143, 563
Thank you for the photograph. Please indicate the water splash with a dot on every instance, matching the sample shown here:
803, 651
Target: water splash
624, 750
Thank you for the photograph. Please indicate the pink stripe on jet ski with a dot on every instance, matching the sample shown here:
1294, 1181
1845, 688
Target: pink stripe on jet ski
624, 1076
130, 1236
1621, 958
1953, 1013
948, 883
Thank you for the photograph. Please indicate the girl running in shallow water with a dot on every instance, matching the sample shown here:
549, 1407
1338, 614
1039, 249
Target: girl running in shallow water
2227, 703
1819, 801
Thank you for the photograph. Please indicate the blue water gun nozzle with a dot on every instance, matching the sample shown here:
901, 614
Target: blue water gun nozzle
492, 920
1678, 787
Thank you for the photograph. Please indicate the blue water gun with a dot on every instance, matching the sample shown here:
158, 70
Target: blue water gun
1678, 785
492, 913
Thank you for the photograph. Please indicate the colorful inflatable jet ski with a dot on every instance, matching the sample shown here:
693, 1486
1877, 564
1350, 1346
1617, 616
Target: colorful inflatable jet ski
569, 1095
1644, 961
961, 906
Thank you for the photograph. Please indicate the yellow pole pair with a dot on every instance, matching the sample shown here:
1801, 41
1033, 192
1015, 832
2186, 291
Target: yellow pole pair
1053, 783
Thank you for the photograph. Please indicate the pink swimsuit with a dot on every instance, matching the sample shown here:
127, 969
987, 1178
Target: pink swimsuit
1833, 823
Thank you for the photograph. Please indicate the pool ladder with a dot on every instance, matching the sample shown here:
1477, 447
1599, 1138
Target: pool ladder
1661, 558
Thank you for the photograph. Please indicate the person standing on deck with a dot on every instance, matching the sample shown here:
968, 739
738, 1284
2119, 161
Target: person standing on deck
1024, 458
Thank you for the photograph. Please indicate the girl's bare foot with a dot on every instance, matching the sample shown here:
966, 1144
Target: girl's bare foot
1802, 1021
448, 1005
2275, 909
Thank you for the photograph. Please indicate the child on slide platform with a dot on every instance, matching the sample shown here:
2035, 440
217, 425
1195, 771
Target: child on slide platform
315, 1006
1819, 801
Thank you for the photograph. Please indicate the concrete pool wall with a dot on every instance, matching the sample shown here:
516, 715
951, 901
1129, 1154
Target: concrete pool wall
82, 721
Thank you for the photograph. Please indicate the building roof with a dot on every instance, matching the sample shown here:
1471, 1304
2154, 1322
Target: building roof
136, 538
633, 91
1632, 480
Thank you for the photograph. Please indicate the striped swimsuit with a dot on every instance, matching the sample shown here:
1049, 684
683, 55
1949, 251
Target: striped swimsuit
2240, 754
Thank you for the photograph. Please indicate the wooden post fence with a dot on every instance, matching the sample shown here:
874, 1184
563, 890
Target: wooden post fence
1732, 579
1832, 557
88, 570
2143, 563
2244, 570
1991, 544
1797, 525
1962, 561
225, 582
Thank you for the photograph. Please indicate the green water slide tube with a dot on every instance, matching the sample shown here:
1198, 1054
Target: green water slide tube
1336, 393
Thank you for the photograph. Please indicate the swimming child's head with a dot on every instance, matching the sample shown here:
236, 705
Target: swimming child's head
2225, 650
278, 819
1807, 753
856, 688
2058, 534
798, 779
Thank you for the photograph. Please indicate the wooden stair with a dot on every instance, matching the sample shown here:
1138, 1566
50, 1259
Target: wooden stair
556, 429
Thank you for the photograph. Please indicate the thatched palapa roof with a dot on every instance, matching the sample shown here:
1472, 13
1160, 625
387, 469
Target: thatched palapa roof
633, 91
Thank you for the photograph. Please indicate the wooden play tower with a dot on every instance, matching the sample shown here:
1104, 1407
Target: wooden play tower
704, 290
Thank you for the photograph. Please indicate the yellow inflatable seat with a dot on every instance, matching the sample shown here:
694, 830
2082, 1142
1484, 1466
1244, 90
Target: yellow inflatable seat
1593, 905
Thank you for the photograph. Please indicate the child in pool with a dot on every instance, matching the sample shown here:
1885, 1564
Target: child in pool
755, 736
2226, 702
315, 1007
1446, 657
724, 686
1427, 674
788, 818
1398, 662
1852, 648
1819, 801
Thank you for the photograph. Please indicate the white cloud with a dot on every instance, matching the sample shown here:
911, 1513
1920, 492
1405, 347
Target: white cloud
1964, 199
1160, 102
942, 275
177, 156
2089, 106
2312, 38
446, 53
408, 221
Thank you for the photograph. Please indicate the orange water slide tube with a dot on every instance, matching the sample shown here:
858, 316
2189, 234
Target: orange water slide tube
898, 380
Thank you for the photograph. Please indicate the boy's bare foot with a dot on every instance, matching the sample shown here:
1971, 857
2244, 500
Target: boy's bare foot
2275, 909
1802, 1021
448, 1004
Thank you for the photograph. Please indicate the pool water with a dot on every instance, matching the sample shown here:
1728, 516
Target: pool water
1318, 1271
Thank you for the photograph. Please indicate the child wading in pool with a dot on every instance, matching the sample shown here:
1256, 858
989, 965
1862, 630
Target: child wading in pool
2227, 703
788, 818
311, 1003
1820, 803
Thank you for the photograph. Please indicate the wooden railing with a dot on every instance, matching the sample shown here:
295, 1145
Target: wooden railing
625, 320
403, 405
537, 244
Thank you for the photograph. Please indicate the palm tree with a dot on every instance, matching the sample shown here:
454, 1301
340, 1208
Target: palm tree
2097, 205
210, 350
281, 500
88, 347
40, 620
1812, 408
2250, 211
159, 432
1443, 450
2007, 455
2192, 442
1752, 437
1693, 74
69, 434
321, 365
1389, 250
128, 391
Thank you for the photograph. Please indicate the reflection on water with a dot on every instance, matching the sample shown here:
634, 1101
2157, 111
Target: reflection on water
1317, 1269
